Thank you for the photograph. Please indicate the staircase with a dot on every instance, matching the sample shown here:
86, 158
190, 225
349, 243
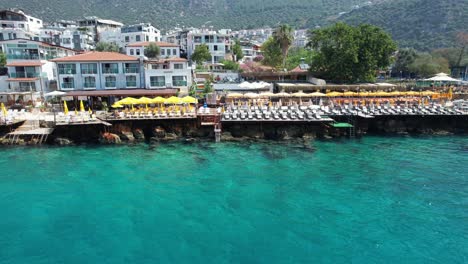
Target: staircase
30, 128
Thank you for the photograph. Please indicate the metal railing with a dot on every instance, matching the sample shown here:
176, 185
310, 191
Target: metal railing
179, 83
24, 74
110, 71
88, 71
158, 84
89, 85
131, 84
131, 70
23, 56
67, 71
110, 84
68, 85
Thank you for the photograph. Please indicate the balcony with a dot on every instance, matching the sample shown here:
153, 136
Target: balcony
110, 85
157, 84
68, 85
110, 71
131, 70
24, 75
89, 85
23, 56
67, 71
87, 71
131, 84
179, 83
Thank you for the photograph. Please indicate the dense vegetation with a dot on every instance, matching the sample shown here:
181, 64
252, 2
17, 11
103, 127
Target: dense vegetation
422, 24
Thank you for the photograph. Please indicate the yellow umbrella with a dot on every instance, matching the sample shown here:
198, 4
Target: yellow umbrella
235, 95
90, 111
189, 100
266, 95
349, 93
394, 93
116, 105
365, 94
65, 107
127, 101
173, 100
82, 109
4, 111
334, 94
411, 93
316, 94
450, 93
300, 94
251, 95
144, 100
426, 93
158, 100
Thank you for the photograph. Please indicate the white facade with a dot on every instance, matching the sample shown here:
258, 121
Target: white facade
71, 38
168, 73
167, 50
219, 43
16, 24
127, 35
97, 26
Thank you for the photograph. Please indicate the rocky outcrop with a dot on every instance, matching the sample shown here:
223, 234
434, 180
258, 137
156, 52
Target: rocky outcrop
159, 132
127, 136
109, 138
138, 134
63, 141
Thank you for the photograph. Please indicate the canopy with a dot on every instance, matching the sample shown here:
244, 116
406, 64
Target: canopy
173, 100
189, 100
55, 93
442, 77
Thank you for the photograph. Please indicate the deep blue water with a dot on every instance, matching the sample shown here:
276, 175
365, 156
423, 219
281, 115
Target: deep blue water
375, 200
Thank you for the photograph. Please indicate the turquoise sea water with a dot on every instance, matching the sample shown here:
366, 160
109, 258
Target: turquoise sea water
375, 200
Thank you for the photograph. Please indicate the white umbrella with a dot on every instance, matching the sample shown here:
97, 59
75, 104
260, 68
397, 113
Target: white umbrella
251, 95
55, 93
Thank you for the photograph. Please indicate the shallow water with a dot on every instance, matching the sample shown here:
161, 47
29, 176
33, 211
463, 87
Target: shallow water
375, 200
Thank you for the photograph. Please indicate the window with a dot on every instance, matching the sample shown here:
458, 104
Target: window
27, 87
89, 82
155, 66
66, 41
67, 68
110, 81
22, 26
138, 38
132, 52
157, 81
110, 68
131, 67
138, 52
68, 83
127, 39
168, 52
179, 81
163, 52
174, 52
147, 38
131, 81
88, 68
178, 66
215, 47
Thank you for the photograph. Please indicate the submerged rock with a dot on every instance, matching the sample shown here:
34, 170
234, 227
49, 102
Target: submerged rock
63, 141
109, 138
128, 136
159, 132
138, 134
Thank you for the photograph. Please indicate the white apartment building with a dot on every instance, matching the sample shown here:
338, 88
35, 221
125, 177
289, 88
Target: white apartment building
97, 26
16, 24
29, 66
167, 50
219, 43
131, 34
71, 38
168, 73
99, 71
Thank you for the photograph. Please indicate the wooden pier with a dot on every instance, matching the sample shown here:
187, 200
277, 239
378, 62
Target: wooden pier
29, 129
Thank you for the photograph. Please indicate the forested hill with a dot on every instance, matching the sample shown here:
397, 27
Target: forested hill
419, 23
422, 24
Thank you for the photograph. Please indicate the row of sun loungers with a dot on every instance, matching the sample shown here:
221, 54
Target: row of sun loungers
394, 110
269, 113
153, 115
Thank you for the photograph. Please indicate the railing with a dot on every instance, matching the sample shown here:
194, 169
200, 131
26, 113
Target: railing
87, 71
158, 84
89, 85
68, 85
22, 56
67, 71
24, 75
110, 71
131, 84
179, 83
131, 70
110, 84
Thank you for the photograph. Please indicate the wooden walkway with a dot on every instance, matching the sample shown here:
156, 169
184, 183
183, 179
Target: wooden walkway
30, 128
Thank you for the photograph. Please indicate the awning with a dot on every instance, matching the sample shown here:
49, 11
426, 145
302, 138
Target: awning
24, 63
22, 79
124, 92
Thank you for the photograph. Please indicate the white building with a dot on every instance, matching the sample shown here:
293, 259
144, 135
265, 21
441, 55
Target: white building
167, 50
72, 38
97, 26
168, 73
16, 24
29, 66
99, 71
139, 33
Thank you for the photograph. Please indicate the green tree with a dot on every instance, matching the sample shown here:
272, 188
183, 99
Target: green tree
426, 65
3, 59
193, 89
230, 65
106, 46
404, 58
271, 51
283, 35
152, 51
347, 54
237, 51
208, 87
201, 54
296, 55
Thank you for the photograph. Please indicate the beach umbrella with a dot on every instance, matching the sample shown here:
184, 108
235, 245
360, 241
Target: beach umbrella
266, 95
411, 93
55, 93
426, 93
158, 100
235, 95
90, 111
144, 100
282, 94
127, 101
300, 94
317, 94
116, 105
394, 93
334, 94
4, 111
349, 93
189, 100
251, 95
173, 100
82, 109
65, 107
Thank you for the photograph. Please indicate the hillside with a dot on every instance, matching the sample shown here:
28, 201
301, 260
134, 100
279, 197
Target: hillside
418, 23
421, 24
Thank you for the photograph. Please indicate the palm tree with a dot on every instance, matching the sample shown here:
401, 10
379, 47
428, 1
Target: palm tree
283, 34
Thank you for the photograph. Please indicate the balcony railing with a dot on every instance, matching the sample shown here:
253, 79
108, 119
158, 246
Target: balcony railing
24, 75
131, 70
110, 71
179, 83
158, 84
110, 84
22, 56
67, 71
131, 84
87, 71
68, 85
89, 85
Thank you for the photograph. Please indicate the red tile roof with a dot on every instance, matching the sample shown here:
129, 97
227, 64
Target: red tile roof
22, 79
97, 56
158, 43
123, 92
24, 63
